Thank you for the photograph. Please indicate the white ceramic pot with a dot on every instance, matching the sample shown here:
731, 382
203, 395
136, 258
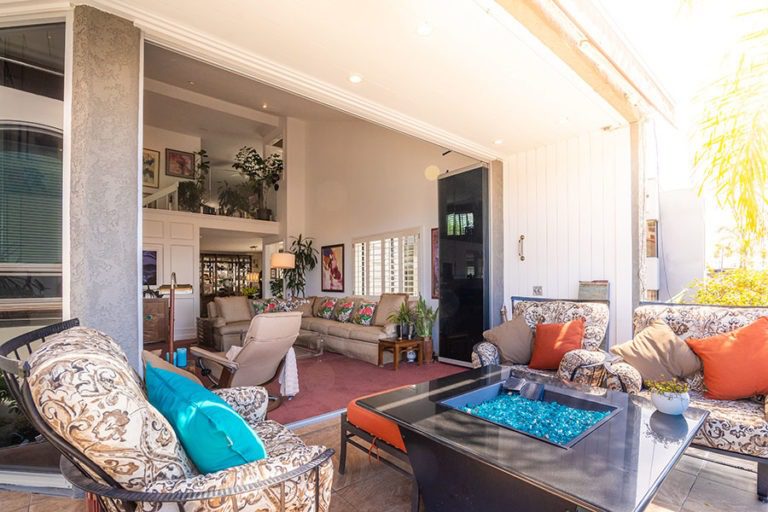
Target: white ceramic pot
410, 356
671, 403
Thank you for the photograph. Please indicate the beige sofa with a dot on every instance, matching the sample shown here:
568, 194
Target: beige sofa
349, 338
230, 318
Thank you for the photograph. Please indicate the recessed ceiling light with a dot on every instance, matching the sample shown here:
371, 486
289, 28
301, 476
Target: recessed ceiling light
564, 120
355, 78
424, 29
264, 106
191, 82
498, 141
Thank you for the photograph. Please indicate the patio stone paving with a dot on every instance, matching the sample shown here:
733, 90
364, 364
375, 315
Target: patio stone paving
699, 483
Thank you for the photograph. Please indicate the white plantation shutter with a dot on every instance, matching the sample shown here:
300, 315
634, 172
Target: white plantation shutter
387, 264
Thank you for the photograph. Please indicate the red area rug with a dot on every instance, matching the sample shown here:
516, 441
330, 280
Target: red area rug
327, 383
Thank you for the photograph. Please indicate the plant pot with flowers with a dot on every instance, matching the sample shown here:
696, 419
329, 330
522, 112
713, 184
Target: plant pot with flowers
425, 321
670, 396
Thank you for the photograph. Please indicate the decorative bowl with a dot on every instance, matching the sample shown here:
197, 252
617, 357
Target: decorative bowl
671, 403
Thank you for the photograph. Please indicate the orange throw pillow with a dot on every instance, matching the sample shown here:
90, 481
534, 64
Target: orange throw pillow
552, 341
735, 362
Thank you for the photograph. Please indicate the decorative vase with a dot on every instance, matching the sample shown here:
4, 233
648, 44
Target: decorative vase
404, 331
671, 403
428, 350
410, 356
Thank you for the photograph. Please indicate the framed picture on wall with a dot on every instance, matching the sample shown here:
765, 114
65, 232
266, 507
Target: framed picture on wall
435, 245
332, 269
179, 164
150, 168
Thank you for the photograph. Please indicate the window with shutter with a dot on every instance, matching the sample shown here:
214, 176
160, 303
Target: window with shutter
387, 264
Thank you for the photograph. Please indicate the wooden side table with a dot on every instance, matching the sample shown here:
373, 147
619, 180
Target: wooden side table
399, 346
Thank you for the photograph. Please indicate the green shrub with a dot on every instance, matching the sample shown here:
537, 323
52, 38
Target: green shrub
734, 287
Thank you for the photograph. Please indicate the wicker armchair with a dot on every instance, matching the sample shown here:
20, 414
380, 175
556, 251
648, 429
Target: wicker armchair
77, 389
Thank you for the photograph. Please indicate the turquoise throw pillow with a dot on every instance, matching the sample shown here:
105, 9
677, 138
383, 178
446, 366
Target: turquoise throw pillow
213, 434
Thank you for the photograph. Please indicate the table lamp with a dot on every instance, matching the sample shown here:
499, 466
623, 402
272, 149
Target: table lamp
172, 290
283, 261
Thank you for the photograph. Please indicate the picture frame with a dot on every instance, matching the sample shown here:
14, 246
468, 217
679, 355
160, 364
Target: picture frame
150, 168
435, 270
179, 164
332, 268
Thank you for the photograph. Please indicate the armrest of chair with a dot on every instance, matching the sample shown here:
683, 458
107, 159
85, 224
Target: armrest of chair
485, 353
250, 402
216, 357
309, 469
583, 366
623, 377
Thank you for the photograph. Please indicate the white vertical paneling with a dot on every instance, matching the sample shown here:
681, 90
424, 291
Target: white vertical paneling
572, 202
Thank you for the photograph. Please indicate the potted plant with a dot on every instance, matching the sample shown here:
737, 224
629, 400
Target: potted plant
402, 318
669, 396
306, 260
192, 193
425, 321
261, 173
231, 201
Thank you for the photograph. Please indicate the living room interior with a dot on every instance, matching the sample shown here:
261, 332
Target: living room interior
369, 185
290, 260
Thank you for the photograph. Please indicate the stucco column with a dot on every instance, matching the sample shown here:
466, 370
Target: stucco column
104, 200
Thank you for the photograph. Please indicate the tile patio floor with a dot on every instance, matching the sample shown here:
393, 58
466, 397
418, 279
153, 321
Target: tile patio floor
699, 483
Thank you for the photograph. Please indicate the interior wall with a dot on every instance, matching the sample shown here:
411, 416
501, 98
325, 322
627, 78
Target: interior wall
365, 180
159, 139
572, 202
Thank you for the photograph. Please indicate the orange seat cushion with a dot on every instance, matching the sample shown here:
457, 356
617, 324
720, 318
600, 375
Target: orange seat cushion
376, 425
552, 341
735, 362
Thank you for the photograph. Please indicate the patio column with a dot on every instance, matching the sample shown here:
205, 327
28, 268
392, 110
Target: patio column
102, 192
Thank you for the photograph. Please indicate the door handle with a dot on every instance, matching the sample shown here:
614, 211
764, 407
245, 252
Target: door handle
521, 247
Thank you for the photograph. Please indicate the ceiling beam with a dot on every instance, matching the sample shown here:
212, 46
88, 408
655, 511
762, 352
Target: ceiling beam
212, 103
541, 22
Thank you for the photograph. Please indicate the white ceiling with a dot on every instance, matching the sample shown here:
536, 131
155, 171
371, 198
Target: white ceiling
179, 70
218, 240
477, 78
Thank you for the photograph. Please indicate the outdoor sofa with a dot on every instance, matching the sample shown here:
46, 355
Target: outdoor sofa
737, 428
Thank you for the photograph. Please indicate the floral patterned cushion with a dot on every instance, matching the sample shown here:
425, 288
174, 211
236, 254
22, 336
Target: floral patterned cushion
326, 309
364, 315
595, 315
85, 390
345, 310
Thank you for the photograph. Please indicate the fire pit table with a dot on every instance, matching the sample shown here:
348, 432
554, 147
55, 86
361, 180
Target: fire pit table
474, 445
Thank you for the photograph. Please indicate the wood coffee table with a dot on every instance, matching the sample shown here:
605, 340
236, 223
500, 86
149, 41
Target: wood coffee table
398, 346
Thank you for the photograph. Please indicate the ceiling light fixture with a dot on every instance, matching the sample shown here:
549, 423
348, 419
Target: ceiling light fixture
355, 78
264, 106
498, 141
191, 82
424, 29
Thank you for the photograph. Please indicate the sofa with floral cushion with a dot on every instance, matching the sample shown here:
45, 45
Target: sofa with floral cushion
585, 365
737, 427
85, 398
351, 326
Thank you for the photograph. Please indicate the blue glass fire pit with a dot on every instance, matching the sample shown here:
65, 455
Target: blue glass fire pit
558, 418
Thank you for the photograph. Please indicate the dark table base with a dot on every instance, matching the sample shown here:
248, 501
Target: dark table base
452, 482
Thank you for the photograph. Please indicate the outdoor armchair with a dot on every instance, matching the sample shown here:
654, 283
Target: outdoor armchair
79, 391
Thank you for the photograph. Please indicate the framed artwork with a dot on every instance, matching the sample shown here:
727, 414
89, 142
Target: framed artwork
150, 168
179, 164
435, 263
332, 271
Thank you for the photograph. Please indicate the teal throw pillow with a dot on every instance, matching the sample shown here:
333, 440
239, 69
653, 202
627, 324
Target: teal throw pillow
214, 436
